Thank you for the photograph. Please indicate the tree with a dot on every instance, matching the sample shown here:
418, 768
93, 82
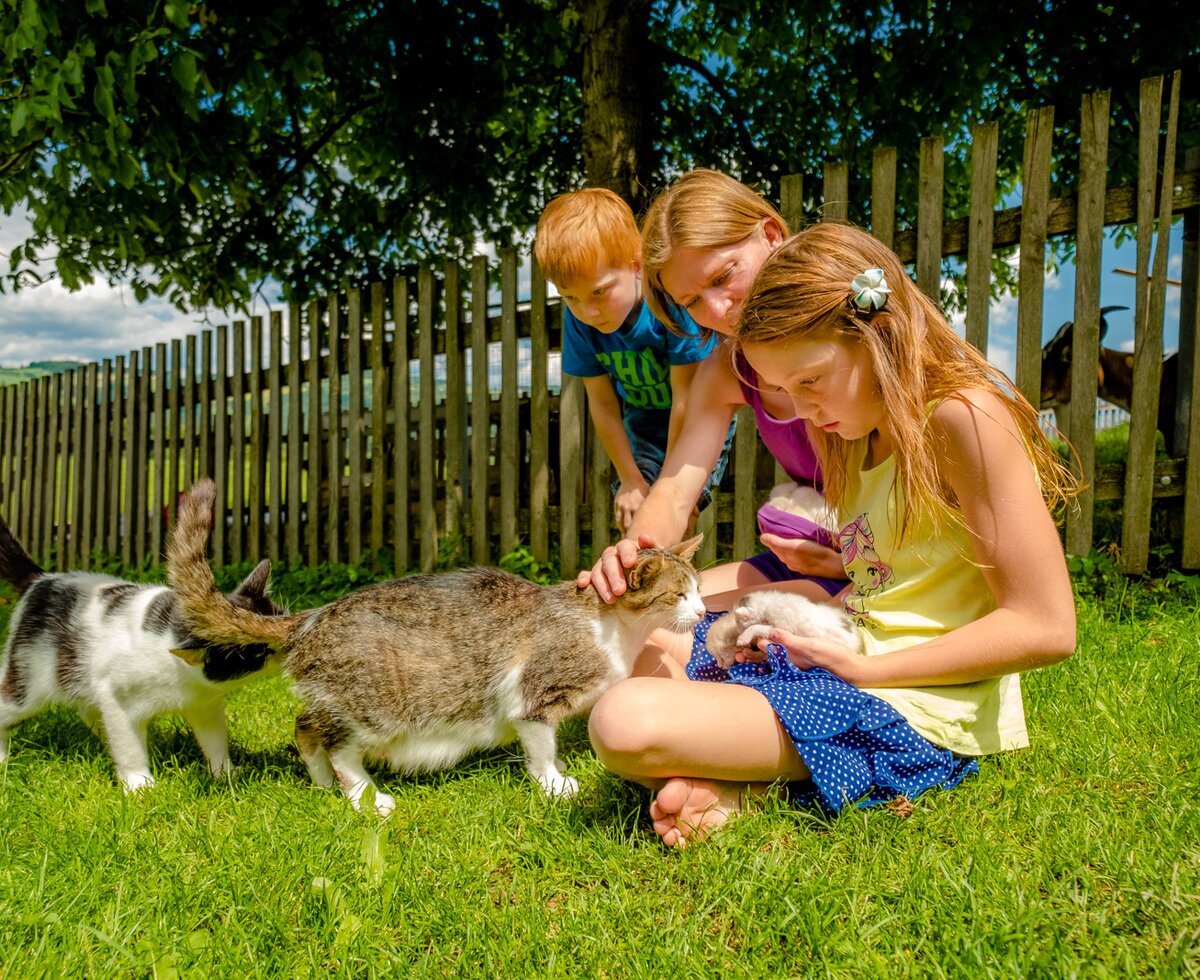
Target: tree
195, 150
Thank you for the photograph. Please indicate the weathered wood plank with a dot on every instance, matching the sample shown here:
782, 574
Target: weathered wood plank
256, 444
159, 442
237, 446
985, 141
791, 200
837, 192
425, 419
120, 421
220, 457
314, 451
106, 443
76, 547
539, 419
89, 419
930, 217
1148, 318
480, 423
354, 424
295, 432
883, 194
139, 457
401, 441
571, 472
378, 455
275, 412
1031, 274
510, 442
745, 468
1093, 156
174, 428
335, 469
456, 402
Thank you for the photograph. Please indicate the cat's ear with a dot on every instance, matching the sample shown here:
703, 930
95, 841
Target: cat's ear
258, 582
686, 549
645, 568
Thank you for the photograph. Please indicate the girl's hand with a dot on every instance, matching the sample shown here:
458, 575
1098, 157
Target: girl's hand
812, 651
607, 576
627, 501
805, 556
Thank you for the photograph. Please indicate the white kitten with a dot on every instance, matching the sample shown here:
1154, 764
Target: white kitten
804, 501
757, 613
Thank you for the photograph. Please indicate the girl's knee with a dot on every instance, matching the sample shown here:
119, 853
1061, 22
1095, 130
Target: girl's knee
623, 723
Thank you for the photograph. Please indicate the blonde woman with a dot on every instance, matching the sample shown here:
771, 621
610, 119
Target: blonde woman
703, 241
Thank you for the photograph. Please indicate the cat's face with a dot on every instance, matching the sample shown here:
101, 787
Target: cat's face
664, 582
222, 663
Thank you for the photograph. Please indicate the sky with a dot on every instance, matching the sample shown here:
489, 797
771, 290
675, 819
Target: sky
50, 323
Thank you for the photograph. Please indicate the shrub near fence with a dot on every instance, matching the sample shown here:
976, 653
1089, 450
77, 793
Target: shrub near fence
390, 439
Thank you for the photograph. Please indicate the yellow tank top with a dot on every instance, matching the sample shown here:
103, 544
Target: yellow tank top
905, 594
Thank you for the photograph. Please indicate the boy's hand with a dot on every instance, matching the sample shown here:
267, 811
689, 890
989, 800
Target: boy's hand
627, 501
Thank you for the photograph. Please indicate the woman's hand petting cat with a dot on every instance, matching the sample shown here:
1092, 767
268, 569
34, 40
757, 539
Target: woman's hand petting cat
607, 576
812, 651
805, 556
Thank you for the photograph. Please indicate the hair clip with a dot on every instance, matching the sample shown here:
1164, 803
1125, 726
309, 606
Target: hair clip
870, 290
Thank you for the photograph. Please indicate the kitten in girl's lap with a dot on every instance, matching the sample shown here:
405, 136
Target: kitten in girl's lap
427, 669
120, 653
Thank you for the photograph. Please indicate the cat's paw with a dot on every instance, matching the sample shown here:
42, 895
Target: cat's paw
134, 782
384, 804
747, 638
559, 785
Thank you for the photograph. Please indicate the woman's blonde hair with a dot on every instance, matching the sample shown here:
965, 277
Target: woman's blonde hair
701, 209
804, 288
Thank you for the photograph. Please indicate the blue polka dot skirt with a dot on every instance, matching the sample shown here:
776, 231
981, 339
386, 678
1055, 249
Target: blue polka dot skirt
858, 748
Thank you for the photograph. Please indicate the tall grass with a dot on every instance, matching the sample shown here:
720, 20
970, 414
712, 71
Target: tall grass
1078, 857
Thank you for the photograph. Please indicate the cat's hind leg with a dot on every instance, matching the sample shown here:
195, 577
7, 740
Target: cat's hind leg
347, 763
312, 729
540, 742
212, 735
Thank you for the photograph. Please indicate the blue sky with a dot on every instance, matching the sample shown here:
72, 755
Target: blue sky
99, 321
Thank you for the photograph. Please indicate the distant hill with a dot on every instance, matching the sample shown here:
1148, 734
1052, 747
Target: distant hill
35, 369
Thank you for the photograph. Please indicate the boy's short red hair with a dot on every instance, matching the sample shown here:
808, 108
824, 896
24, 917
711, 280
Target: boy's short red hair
582, 230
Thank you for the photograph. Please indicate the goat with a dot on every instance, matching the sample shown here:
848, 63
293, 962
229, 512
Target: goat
1114, 375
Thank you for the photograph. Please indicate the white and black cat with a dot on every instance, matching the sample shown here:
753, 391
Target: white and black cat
104, 646
757, 613
424, 670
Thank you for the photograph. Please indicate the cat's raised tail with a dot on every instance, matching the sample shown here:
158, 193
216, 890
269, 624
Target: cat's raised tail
16, 567
210, 613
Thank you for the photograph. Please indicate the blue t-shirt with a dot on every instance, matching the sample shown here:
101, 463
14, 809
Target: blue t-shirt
638, 357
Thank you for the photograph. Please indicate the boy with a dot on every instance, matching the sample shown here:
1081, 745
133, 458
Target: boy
636, 372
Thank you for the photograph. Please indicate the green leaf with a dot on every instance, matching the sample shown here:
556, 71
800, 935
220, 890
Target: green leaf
17, 123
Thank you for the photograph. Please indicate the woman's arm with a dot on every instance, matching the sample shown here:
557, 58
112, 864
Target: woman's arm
662, 519
984, 462
682, 376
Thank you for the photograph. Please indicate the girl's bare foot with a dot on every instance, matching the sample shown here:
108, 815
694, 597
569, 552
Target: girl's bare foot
690, 809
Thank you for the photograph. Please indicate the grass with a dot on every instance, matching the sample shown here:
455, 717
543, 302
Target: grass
1078, 857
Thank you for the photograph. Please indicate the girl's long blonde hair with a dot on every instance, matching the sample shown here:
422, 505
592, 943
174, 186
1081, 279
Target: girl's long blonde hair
804, 287
701, 209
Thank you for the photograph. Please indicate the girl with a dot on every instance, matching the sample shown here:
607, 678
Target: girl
703, 241
957, 578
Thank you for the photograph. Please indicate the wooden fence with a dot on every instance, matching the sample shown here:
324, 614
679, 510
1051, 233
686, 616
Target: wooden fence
392, 438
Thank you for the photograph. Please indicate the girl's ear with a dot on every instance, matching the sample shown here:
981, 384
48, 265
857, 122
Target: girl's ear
686, 549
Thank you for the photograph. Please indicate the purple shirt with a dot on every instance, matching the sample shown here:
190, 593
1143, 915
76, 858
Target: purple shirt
786, 440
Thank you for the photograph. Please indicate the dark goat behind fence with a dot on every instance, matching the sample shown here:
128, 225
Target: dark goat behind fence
1114, 375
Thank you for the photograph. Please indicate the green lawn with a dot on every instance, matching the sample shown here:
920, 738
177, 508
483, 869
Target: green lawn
1079, 857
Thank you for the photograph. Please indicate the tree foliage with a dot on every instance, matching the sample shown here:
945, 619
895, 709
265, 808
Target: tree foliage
193, 150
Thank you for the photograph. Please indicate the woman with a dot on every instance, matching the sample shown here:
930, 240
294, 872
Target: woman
703, 241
